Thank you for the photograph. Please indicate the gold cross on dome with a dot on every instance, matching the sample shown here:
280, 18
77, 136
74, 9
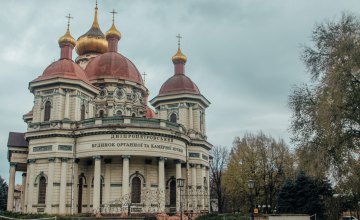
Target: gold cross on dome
68, 17
179, 39
113, 12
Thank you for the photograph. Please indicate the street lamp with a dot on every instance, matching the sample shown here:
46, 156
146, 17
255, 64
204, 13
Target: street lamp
251, 185
180, 183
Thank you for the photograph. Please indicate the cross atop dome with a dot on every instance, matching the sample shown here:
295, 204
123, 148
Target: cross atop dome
179, 39
68, 17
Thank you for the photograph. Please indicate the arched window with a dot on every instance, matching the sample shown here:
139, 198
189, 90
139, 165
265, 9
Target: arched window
173, 193
173, 118
119, 113
136, 190
47, 111
42, 190
133, 115
101, 113
82, 110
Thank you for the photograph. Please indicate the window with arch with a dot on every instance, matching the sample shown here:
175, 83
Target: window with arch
173, 118
47, 111
101, 113
173, 192
118, 113
136, 190
133, 115
42, 190
82, 111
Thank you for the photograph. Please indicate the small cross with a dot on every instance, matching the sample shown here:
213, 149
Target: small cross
179, 39
113, 12
144, 75
68, 17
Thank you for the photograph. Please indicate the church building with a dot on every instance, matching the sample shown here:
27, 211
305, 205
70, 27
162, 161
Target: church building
93, 143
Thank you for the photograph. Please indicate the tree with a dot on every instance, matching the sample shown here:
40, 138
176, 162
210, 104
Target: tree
263, 159
304, 196
217, 166
3, 194
326, 112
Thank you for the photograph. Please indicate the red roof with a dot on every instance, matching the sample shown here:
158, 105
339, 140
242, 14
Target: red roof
149, 112
178, 83
64, 68
113, 65
17, 139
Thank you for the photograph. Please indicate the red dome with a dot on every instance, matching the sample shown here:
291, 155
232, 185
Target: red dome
63, 68
178, 83
149, 112
113, 65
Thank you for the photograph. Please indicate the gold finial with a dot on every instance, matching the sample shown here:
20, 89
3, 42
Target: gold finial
113, 31
67, 38
179, 56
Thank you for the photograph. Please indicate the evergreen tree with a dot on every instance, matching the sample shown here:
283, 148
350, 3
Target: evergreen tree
304, 196
3, 194
286, 200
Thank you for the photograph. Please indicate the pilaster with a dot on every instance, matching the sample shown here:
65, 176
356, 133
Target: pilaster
97, 184
50, 183
125, 179
161, 184
62, 196
107, 180
31, 174
10, 201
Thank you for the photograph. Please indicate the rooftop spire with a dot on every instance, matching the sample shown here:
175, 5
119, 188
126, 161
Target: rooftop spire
95, 22
179, 57
67, 42
113, 35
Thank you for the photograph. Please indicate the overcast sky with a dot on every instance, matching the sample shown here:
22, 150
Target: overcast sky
243, 55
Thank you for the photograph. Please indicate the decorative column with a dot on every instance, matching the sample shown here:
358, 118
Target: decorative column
62, 197
74, 186
161, 184
178, 175
31, 174
50, 186
90, 174
23, 192
26, 188
193, 183
97, 182
10, 199
107, 180
67, 104
125, 179
148, 184
203, 194
191, 120
208, 187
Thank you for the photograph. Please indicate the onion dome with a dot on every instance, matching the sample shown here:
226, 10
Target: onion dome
179, 57
112, 65
92, 41
65, 67
113, 32
67, 39
179, 82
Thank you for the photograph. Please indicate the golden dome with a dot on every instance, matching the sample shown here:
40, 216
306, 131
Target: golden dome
179, 57
92, 41
67, 38
113, 32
